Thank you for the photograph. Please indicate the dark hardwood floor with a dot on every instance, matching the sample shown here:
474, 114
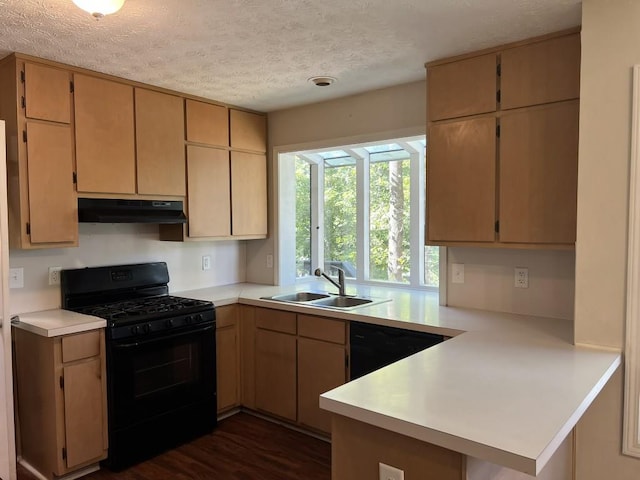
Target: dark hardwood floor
243, 447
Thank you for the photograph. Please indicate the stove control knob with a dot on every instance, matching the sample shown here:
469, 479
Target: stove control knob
135, 330
188, 319
146, 328
199, 317
168, 323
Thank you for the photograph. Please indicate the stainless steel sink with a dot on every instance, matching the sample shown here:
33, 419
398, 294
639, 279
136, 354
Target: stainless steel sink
343, 302
325, 300
299, 297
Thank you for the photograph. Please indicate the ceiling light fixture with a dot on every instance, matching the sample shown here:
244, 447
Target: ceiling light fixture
322, 81
100, 8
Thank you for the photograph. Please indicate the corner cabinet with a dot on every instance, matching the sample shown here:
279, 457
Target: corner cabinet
61, 400
35, 102
502, 164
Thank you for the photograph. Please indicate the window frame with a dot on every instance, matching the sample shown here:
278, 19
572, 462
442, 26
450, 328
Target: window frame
414, 146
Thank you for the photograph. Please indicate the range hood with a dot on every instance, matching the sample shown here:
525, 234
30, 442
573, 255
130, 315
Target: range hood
108, 210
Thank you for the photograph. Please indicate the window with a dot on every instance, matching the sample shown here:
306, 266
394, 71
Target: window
361, 208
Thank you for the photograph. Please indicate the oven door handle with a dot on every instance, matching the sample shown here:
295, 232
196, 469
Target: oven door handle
165, 337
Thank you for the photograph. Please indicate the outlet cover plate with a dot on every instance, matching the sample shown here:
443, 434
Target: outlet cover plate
521, 277
16, 277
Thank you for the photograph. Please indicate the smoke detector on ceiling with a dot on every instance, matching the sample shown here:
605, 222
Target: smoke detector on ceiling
322, 81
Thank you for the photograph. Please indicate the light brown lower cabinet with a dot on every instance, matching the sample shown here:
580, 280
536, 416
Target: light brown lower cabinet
227, 358
61, 400
290, 360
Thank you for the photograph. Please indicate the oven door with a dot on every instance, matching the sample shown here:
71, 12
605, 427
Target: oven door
153, 376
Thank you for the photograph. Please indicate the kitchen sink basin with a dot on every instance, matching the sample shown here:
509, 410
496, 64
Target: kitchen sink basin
300, 297
343, 302
326, 300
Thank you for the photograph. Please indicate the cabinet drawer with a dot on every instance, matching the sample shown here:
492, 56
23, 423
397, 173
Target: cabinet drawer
81, 345
276, 320
226, 316
322, 329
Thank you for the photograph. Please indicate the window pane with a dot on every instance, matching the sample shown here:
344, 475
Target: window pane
389, 209
303, 218
431, 266
340, 219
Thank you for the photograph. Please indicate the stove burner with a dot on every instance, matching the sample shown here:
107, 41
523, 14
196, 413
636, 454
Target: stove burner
131, 310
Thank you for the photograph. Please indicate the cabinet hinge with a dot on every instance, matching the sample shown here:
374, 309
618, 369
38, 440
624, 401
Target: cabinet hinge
71, 87
499, 69
75, 177
28, 228
23, 102
22, 76
498, 96
498, 131
24, 136
64, 453
61, 382
497, 226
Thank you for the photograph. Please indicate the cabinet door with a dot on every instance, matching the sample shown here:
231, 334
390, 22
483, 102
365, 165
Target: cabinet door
248, 130
160, 143
321, 367
207, 123
461, 177
541, 72
249, 193
276, 373
463, 87
538, 174
227, 359
53, 211
47, 93
105, 151
83, 412
209, 196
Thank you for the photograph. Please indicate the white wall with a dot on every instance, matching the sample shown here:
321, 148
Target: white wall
113, 244
489, 281
610, 48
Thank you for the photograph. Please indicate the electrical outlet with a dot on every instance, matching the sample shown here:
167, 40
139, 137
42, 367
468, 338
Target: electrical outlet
269, 261
206, 262
521, 279
388, 472
16, 277
54, 275
457, 272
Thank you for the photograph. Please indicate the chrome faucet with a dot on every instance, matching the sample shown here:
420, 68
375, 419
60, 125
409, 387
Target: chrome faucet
340, 283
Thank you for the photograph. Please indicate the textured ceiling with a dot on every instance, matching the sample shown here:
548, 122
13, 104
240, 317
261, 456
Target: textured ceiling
259, 53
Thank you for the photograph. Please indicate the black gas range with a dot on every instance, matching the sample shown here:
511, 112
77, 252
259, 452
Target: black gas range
161, 357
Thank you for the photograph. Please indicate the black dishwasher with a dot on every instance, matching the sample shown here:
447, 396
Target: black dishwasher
376, 346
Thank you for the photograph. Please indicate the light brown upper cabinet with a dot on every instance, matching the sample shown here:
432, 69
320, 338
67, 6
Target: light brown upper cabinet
541, 72
461, 177
52, 202
538, 174
209, 196
461, 88
248, 193
35, 102
207, 123
248, 131
160, 156
506, 178
47, 93
105, 139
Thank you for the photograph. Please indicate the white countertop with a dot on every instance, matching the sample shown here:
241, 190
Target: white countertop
52, 323
507, 389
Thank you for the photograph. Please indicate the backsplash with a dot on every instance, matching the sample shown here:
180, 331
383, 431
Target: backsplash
112, 244
489, 281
